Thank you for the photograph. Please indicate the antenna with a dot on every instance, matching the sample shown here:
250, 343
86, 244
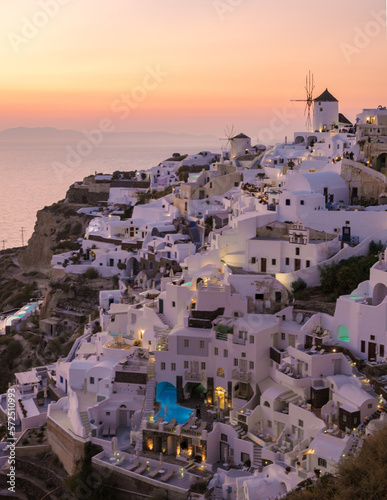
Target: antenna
3, 242
309, 87
229, 133
22, 235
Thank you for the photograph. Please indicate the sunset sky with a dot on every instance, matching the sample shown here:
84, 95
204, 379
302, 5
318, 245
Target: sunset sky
219, 62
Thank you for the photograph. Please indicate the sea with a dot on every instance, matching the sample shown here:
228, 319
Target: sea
36, 174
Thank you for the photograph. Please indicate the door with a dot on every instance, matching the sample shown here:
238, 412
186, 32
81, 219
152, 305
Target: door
297, 264
346, 237
371, 351
123, 417
263, 265
161, 306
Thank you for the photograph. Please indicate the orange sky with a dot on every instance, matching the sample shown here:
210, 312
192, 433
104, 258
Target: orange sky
215, 63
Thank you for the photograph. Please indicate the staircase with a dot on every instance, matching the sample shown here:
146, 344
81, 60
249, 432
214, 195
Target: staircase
85, 422
150, 387
241, 432
257, 459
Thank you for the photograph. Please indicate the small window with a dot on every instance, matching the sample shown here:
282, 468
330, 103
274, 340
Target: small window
381, 350
173, 304
372, 337
203, 366
201, 344
308, 263
253, 260
225, 353
186, 365
322, 462
186, 343
273, 262
173, 367
162, 365
91, 380
278, 296
235, 361
216, 351
300, 423
297, 251
61, 379
243, 354
283, 336
369, 405
269, 423
223, 437
363, 346
302, 202
259, 296
251, 339
251, 364
107, 413
267, 404
287, 261
287, 202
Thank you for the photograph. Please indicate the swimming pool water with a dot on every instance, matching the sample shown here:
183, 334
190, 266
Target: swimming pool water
166, 395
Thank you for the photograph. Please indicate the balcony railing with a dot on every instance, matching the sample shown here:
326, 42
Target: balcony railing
194, 376
241, 376
355, 240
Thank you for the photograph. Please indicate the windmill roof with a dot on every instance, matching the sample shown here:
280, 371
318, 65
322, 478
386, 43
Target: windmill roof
343, 119
241, 136
326, 96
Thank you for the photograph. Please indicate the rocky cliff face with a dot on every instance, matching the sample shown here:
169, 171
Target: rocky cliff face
55, 224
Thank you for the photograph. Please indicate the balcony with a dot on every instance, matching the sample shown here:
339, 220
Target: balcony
194, 376
241, 376
353, 240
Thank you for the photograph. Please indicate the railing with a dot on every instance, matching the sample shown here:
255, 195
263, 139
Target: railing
194, 376
353, 239
241, 376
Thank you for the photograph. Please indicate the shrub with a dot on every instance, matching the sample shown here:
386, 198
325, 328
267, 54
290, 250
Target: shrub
298, 285
91, 273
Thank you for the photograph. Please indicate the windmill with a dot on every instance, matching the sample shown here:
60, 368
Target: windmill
309, 87
229, 134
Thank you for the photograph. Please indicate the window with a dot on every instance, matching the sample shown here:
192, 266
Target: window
381, 350
287, 202
253, 260
201, 344
273, 262
173, 367
369, 405
297, 251
107, 413
251, 365
269, 423
322, 462
251, 339
216, 351
300, 423
243, 354
186, 365
203, 366
173, 304
220, 372
372, 337
186, 343
223, 437
259, 296
308, 263
283, 336
91, 380
162, 365
362, 348
267, 404
287, 261
235, 362
244, 457
61, 379
225, 353
302, 202
278, 296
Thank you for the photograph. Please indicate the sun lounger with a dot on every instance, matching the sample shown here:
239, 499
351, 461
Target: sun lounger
155, 471
112, 430
167, 476
134, 465
105, 430
141, 469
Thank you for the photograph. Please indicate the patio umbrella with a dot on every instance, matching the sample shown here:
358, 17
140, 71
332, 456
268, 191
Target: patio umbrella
161, 458
114, 445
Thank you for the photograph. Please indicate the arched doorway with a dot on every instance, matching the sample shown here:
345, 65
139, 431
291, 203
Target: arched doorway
381, 162
299, 139
220, 397
379, 294
312, 139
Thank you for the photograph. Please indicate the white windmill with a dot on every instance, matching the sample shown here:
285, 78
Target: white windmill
226, 149
309, 87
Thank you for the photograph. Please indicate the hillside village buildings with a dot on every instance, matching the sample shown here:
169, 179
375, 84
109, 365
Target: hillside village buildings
201, 365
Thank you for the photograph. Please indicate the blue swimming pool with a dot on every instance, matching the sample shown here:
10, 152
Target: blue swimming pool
166, 395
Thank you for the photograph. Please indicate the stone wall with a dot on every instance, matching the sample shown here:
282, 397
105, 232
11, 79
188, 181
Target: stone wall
68, 449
